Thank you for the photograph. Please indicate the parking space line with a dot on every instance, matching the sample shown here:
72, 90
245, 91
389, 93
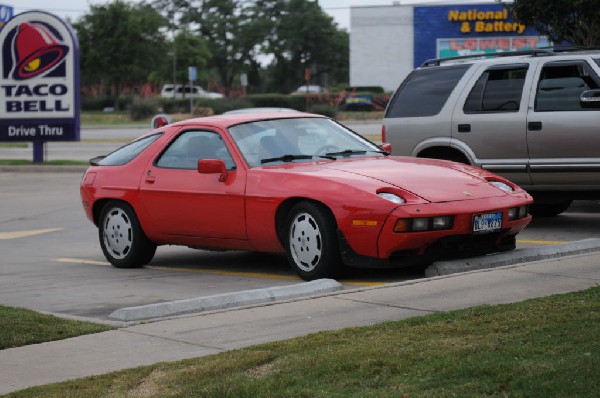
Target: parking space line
541, 242
24, 234
227, 273
80, 261
216, 272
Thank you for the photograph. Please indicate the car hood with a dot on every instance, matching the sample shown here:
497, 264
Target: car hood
433, 180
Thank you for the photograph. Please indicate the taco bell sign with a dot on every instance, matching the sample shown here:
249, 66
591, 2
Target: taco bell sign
39, 79
6, 13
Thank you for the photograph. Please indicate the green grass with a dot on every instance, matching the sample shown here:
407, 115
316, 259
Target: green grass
14, 144
20, 327
547, 347
108, 118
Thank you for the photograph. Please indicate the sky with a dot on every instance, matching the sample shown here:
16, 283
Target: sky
338, 9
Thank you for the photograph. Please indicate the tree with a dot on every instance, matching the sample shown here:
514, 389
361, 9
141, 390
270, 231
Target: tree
243, 35
121, 44
576, 22
304, 37
224, 25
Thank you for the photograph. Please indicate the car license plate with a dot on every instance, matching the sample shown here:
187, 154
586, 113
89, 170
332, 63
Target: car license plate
487, 222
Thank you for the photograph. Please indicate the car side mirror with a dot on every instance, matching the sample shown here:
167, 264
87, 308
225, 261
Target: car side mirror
590, 99
386, 146
213, 166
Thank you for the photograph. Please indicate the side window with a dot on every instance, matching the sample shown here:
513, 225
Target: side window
128, 152
561, 85
191, 146
497, 90
425, 91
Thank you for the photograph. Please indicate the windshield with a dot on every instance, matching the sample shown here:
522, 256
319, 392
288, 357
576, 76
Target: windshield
268, 142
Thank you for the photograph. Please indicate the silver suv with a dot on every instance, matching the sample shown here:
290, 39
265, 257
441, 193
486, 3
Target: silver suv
532, 117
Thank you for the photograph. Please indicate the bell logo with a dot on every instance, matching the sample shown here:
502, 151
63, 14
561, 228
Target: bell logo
37, 50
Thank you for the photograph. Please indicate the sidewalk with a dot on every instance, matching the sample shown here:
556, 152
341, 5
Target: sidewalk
209, 333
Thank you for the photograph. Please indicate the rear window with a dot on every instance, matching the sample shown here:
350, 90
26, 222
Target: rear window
128, 152
425, 91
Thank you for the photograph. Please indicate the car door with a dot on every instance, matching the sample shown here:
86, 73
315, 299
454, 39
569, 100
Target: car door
563, 137
181, 201
489, 120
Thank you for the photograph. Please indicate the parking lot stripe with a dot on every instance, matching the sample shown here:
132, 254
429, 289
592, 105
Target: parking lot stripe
227, 273
217, 272
541, 242
79, 261
23, 234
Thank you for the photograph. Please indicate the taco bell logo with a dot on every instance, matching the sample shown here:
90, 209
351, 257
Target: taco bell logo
36, 50
39, 77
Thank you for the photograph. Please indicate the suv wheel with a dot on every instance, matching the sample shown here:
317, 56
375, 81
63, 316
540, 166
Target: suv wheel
549, 209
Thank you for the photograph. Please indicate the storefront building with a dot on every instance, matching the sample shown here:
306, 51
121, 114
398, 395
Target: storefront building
387, 42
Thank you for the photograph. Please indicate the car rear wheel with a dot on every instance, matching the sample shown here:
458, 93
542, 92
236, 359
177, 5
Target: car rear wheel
123, 242
311, 242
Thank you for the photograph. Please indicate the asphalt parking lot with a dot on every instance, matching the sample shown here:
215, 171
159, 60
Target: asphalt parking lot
52, 261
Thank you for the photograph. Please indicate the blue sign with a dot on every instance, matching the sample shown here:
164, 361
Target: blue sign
193, 73
39, 79
445, 31
6, 13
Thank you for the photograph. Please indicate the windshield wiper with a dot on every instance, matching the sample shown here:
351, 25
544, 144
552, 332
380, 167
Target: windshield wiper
291, 158
349, 152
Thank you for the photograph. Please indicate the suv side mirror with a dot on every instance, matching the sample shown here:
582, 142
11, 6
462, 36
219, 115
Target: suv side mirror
590, 99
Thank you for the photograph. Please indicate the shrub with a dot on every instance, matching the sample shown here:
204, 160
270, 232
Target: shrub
323, 109
142, 109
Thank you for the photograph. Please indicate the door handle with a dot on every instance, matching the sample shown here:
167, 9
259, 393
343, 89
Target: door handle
534, 126
464, 128
150, 179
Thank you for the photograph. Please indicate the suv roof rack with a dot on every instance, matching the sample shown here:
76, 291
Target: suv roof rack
535, 52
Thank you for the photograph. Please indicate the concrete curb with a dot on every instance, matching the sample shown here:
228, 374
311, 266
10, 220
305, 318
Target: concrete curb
513, 257
227, 300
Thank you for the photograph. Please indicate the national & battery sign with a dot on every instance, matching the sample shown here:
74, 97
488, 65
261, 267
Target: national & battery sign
479, 21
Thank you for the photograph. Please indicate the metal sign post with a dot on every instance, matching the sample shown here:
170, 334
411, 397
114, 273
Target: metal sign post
193, 75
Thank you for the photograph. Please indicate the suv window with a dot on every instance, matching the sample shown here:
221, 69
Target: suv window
425, 91
497, 90
561, 85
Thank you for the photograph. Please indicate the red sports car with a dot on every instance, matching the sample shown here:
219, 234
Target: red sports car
295, 183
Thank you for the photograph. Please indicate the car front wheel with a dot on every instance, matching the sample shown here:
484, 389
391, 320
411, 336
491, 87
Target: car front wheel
123, 242
311, 242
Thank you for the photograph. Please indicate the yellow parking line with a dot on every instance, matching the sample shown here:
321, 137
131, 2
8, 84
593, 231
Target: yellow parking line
216, 272
23, 234
541, 242
79, 261
228, 273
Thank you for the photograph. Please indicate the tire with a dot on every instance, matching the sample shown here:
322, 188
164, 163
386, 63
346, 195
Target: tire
549, 209
123, 242
311, 242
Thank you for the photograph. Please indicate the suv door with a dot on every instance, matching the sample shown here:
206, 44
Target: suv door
563, 137
489, 120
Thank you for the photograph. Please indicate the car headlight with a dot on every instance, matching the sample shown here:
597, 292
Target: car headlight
391, 197
502, 186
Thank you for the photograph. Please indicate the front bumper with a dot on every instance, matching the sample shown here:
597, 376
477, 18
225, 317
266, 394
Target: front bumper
416, 248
